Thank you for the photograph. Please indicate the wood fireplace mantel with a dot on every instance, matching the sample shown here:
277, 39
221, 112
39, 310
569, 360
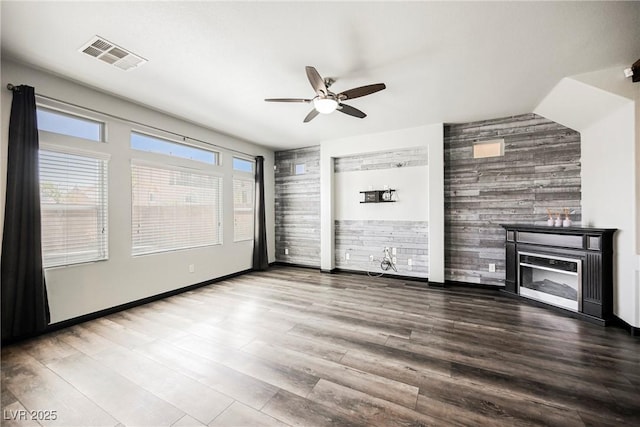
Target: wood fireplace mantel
592, 246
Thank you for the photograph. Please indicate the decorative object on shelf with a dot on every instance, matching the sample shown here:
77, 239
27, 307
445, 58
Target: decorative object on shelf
550, 220
567, 219
558, 221
378, 196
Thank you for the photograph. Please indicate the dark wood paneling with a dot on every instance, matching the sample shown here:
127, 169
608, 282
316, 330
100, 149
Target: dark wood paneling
511, 276
592, 280
540, 169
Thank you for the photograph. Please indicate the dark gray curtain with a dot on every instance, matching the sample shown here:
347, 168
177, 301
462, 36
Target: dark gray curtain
25, 309
260, 259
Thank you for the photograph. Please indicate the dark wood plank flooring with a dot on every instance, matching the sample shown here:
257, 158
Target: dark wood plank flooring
296, 347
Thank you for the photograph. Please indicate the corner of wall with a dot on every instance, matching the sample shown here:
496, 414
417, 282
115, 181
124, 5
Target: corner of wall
602, 106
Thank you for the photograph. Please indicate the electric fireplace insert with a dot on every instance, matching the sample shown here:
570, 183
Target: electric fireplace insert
551, 279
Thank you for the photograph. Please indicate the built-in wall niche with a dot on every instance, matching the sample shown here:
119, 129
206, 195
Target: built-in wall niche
367, 219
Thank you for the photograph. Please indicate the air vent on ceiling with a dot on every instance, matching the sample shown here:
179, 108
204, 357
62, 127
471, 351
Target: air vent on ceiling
112, 54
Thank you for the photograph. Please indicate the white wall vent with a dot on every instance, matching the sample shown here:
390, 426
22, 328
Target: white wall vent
112, 54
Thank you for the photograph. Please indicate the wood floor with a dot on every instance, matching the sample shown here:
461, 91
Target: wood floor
297, 347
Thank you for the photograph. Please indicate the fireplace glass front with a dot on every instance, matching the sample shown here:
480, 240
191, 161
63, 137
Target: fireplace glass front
550, 279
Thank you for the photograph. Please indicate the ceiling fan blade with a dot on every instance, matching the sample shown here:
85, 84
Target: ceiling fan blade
287, 100
361, 91
312, 114
316, 81
348, 109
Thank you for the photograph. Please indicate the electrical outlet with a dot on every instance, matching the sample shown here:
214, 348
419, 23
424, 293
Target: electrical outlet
192, 268
286, 251
394, 251
347, 256
410, 262
394, 260
370, 257
492, 268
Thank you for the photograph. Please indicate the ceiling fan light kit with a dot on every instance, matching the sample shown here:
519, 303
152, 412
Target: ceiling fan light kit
325, 105
325, 101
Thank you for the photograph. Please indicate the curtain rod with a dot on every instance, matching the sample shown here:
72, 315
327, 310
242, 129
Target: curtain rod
12, 87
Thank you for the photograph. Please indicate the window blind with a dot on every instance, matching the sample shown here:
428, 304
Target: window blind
73, 203
174, 209
243, 206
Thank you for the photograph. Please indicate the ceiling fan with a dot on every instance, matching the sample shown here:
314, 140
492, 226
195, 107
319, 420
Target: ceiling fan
326, 102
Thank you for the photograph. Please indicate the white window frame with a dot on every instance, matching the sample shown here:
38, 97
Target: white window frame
241, 175
180, 164
252, 161
74, 145
236, 209
170, 158
102, 244
63, 109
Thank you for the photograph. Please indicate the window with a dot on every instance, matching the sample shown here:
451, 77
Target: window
73, 202
154, 144
174, 208
242, 165
68, 124
243, 190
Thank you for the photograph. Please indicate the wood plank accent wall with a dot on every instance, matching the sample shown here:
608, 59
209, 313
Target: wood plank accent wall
540, 169
382, 160
297, 206
364, 238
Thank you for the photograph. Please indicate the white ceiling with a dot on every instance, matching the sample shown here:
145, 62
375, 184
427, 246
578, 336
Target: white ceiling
213, 63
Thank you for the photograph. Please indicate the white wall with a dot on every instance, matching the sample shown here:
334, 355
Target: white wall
412, 194
637, 101
595, 105
431, 137
609, 198
82, 289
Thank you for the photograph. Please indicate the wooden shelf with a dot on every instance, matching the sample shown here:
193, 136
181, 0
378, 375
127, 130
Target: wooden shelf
377, 196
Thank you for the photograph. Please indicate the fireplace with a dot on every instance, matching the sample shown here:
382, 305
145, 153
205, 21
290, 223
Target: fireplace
569, 269
550, 279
